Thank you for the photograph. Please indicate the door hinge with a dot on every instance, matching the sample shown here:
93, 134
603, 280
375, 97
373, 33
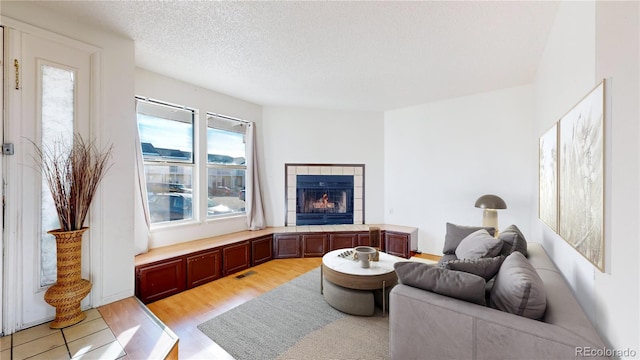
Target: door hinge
16, 64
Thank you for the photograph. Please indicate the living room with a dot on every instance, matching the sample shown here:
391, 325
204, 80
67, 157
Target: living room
426, 162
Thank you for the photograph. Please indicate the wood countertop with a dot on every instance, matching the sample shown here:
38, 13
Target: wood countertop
188, 247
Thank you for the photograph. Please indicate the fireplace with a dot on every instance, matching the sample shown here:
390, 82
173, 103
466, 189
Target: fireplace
324, 199
324, 194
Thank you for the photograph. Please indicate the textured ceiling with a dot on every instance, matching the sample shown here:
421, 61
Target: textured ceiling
350, 55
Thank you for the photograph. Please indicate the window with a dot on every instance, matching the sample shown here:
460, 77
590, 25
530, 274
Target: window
166, 133
58, 100
167, 136
226, 167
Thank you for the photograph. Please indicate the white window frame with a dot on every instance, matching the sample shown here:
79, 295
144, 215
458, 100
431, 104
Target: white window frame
199, 164
211, 116
192, 164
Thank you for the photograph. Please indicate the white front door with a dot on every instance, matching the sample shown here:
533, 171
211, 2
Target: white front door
49, 98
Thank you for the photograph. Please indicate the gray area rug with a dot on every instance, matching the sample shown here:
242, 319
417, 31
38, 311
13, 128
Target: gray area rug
293, 321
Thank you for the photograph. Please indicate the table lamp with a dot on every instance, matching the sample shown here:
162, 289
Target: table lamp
490, 203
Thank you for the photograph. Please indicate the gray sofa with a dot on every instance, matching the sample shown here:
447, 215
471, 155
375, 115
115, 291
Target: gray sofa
424, 324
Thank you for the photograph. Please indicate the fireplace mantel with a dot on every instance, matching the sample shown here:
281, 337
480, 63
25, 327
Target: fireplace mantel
293, 170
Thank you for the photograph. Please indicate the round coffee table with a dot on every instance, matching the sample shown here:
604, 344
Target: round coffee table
350, 288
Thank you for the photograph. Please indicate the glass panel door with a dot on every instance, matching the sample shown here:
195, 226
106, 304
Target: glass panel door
57, 109
51, 103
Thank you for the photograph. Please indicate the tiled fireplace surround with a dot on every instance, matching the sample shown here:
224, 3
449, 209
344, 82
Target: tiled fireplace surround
292, 170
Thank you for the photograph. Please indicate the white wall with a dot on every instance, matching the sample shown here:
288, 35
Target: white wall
294, 135
111, 218
158, 87
564, 76
591, 41
440, 157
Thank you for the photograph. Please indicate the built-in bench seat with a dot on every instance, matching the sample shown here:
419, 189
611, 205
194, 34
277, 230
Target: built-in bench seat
168, 270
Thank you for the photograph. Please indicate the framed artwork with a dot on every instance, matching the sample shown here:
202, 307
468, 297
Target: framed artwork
548, 178
581, 177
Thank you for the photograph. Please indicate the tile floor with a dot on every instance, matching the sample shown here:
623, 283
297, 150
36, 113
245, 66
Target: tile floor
89, 339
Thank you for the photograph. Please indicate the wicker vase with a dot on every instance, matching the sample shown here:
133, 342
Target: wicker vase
70, 288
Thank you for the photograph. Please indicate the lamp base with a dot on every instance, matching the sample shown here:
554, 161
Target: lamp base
490, 219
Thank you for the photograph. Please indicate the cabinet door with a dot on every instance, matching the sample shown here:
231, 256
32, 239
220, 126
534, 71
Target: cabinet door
363, 239
157, 281
203, 267
342, 241
286, 246
397, 244
235, 258
314, 245
261, 250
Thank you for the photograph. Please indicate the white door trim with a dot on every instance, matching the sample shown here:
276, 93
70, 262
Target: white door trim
46, 34
12, 285
2, 62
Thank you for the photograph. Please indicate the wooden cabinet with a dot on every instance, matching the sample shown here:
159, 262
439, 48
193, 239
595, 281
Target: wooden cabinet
162, 277
314, 245
203, 267
397, 244
261, 250
342, 240
157, 281
286, 246
235, 258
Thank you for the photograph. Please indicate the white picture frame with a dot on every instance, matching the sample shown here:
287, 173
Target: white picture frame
581, 177
548, 178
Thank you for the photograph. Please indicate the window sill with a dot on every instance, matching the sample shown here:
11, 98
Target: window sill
172, 225
225, 217
185, 223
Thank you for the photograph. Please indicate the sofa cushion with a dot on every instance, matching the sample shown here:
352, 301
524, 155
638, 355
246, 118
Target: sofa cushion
455, 234
512, 240
486, 267
446, 258
478, 245
518, 289
457, 284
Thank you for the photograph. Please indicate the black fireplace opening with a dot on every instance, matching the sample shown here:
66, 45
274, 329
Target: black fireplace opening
324, 199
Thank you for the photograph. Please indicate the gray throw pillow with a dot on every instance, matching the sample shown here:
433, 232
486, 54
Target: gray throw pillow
457, 284
513, 240
455, 234
486, 267
478, 245
518, 288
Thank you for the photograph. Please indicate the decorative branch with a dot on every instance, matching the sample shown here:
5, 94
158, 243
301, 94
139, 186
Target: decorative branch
73, 174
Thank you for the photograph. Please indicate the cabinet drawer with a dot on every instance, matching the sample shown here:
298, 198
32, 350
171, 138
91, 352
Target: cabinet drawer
202, 268
158, 281
342, 241
364, 240
286, 246
235, 258
397, 244
314, 245
261, 250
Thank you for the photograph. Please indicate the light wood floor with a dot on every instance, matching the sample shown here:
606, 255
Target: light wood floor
183, 312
